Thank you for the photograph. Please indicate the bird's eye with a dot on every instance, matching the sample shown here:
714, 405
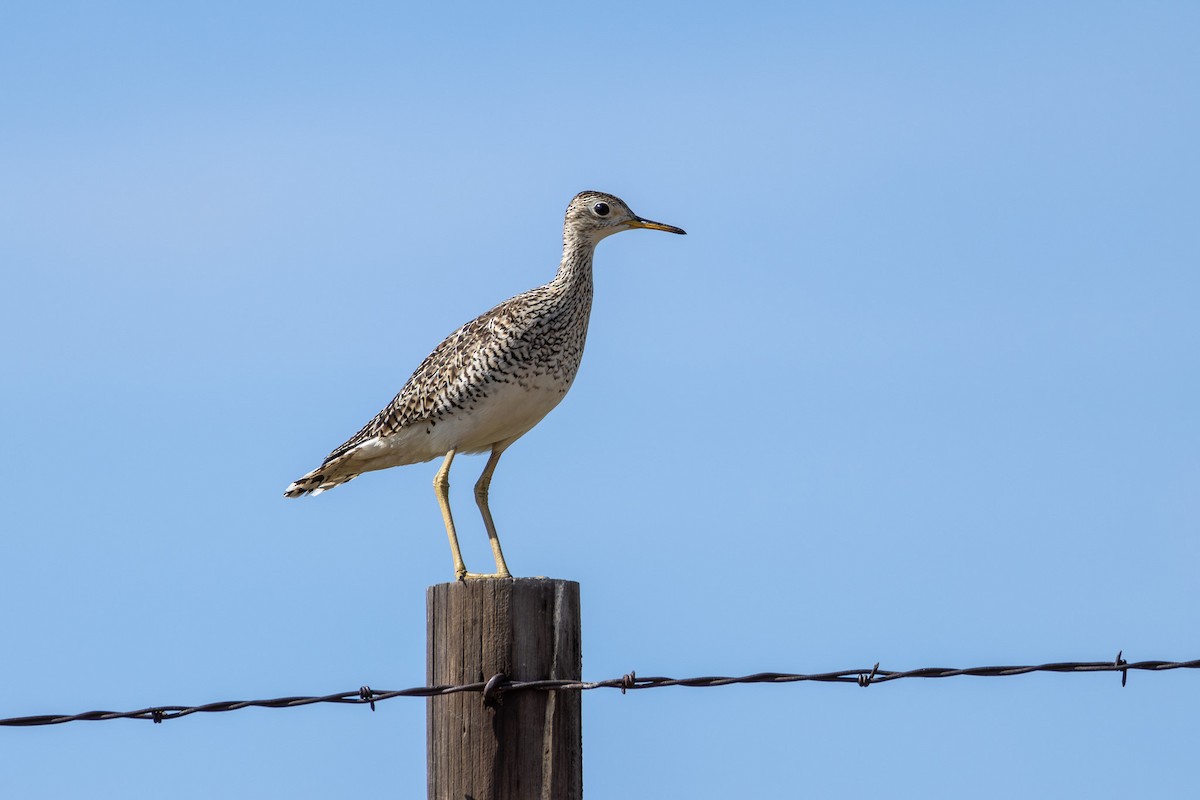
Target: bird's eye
601, 209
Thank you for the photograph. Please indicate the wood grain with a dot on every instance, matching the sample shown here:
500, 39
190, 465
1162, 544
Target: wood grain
528, 745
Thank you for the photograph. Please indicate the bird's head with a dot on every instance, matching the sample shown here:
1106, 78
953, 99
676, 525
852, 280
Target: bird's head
594, 215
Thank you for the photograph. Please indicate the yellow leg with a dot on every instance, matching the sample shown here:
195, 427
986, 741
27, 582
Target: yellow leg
441, 485
481, 498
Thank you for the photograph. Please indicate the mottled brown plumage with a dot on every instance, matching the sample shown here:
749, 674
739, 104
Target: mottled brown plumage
491, 380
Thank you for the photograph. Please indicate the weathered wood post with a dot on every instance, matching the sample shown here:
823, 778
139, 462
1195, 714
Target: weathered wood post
528, 745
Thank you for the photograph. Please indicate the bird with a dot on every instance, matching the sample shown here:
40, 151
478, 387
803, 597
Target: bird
491, 381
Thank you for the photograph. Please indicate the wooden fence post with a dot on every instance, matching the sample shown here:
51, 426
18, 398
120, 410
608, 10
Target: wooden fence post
529, 744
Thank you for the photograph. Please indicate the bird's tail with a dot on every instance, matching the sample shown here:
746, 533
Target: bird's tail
316, 482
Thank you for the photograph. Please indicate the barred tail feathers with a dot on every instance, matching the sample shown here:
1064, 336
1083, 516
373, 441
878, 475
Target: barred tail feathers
316, 482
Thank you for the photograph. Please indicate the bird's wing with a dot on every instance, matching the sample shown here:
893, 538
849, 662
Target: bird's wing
437, 385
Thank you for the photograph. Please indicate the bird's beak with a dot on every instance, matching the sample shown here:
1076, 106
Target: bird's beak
638, 222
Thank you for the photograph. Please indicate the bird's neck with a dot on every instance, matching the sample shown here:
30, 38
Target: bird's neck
575, 271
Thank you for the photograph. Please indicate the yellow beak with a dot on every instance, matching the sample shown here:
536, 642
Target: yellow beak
638, 222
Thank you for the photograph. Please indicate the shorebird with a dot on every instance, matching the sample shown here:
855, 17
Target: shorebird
491, 380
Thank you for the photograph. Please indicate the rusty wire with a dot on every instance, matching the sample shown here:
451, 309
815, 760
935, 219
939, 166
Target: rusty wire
498, 685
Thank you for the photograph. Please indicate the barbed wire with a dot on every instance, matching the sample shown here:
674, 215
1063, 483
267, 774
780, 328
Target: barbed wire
499, 685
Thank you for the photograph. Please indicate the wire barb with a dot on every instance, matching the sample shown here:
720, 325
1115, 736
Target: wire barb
865, 680
493, 689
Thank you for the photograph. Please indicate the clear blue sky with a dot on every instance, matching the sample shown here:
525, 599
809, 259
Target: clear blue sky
920, 386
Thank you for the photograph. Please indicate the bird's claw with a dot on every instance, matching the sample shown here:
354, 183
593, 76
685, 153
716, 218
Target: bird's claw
476, 576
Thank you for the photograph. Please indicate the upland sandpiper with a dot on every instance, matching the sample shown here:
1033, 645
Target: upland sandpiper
491, 381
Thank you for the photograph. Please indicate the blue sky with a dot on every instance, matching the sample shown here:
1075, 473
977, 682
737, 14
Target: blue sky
919, 386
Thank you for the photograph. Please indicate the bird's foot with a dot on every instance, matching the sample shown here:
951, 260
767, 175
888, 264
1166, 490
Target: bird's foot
476, 576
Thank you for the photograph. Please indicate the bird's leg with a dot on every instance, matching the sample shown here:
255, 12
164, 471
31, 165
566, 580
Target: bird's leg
441, 485
481, 497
